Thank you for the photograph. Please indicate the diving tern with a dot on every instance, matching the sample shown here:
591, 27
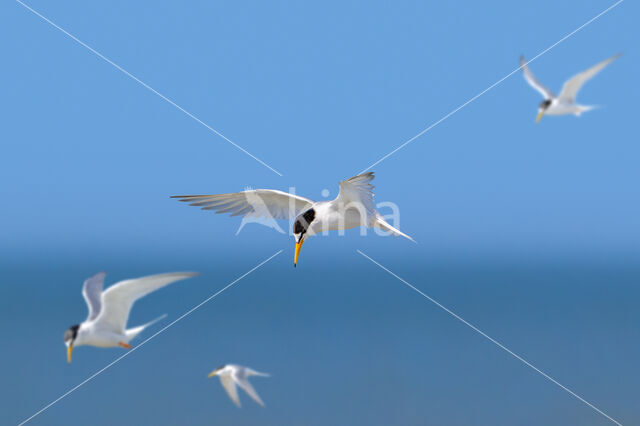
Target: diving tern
352, 207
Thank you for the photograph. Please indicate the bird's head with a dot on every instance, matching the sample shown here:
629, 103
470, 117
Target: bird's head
301, 230
70, 337
216, 371
542, 108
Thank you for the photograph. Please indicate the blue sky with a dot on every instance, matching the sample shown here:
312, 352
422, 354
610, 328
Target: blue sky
319, 92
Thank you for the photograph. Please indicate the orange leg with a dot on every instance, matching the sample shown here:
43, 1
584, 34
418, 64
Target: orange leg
124, 345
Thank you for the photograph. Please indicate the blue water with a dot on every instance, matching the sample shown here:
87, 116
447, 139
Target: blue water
530, 232
345, 342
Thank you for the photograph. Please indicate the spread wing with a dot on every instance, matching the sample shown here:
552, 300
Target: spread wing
91, 290
573, 85
533, 81
230, 386
246, 386
358, 191
118, 299
267, 203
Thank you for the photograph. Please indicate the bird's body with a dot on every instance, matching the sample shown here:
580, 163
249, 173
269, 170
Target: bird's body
338, 217
106, 325
334, 218
94, 333
231, 375
561, 107
352, 208
565, 103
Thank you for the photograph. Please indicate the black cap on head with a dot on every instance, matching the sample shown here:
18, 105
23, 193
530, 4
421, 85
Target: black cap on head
545, 104
71, 333
303, 221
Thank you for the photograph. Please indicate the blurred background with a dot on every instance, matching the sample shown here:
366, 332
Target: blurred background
530, 232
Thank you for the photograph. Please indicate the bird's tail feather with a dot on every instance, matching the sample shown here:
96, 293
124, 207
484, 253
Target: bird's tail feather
585, 108
379, 222
253, 372
133, 332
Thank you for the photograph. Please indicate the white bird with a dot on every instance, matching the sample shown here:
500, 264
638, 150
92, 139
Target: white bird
565, 102
232, 375
109, 310
352, 207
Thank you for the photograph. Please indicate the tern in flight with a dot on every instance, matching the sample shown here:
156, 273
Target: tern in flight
232, 375
352, 208
565, 102
106, 324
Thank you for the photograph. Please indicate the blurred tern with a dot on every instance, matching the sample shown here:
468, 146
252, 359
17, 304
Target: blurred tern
352, 207
565, 102
109, 310
232, 375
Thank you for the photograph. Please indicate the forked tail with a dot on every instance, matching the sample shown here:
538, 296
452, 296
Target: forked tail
585, 108
379, 222
133, 332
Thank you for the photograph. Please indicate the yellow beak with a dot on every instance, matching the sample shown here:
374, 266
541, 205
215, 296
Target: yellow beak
213, 373
295, 257
69, 350
539, 117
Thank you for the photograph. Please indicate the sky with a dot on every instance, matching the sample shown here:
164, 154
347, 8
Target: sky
319, 92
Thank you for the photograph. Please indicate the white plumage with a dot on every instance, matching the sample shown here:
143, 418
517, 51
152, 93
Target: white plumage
232, 375
106, 323
353, 207
565, 102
